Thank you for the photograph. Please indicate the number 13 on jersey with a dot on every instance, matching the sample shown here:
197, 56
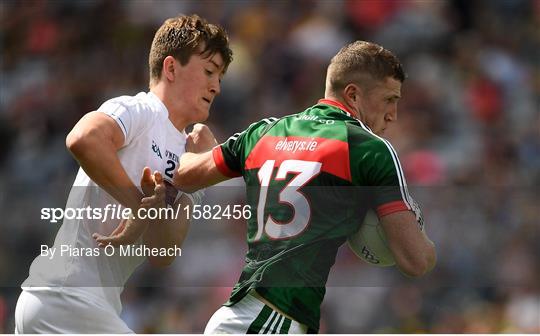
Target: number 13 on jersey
305, 170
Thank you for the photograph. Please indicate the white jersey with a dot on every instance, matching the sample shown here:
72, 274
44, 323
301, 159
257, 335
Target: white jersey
151, 140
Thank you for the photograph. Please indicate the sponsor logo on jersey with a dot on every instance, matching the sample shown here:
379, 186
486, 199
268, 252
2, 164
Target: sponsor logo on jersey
156, 150
332, 153
296, 145
315, 118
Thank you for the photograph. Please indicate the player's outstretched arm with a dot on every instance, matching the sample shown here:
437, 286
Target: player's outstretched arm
94, 142
413, 252
197, 171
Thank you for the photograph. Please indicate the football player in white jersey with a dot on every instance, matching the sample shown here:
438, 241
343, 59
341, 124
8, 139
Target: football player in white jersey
74, 286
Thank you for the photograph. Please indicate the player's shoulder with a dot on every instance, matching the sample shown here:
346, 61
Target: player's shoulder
141, 102
359, 133
262, 125
363, 141
253, 131
265, 122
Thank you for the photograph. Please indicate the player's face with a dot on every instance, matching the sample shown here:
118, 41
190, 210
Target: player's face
198, 83
378, 106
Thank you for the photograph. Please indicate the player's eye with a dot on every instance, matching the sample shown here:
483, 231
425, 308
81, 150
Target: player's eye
208, 72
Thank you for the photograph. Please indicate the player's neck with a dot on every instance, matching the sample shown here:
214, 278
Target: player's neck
349, 108
175, 112
178, 122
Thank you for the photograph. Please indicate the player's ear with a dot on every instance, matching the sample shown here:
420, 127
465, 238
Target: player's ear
169, 68
351, 93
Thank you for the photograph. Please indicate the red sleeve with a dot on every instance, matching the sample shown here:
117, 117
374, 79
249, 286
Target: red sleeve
221, 165
391, 207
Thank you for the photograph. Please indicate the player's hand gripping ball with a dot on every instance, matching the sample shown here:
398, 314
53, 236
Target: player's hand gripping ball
369, 242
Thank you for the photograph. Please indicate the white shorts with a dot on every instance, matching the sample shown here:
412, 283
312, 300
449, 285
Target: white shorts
251, 316
53, 312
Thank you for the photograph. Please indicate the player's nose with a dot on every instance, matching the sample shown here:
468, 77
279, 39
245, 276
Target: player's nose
215, 87
391, 115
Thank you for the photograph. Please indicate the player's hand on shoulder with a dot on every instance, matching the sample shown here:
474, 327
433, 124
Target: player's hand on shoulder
200, 140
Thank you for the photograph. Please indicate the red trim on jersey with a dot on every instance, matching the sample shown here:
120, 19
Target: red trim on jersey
221, 165
391, 207
332, 153
337, 104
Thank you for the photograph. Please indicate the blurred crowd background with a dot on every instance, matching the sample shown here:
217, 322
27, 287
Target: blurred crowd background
468, 135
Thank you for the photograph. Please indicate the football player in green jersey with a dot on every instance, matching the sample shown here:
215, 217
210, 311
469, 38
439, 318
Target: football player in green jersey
302, 173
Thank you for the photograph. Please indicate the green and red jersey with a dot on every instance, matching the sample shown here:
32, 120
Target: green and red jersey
311, 177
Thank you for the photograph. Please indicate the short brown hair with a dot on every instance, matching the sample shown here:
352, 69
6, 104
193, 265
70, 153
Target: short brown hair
362, 63
183, 36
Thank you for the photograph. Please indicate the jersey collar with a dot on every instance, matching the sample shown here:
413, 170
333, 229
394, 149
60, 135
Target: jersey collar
343, 108
338, 105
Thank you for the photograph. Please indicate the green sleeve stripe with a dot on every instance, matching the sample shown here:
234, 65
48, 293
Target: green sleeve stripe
266, 120
401, 177
270, 120
235, 136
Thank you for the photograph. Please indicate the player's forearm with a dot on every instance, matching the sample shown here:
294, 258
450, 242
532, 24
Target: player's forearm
419, 261
168, 232
98, 157
197, 171
431, 254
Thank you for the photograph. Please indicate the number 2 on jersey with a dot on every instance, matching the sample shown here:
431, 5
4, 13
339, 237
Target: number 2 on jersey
170, 168
301, 209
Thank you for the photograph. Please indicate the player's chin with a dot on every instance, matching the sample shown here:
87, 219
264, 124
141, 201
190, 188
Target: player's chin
202, 114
